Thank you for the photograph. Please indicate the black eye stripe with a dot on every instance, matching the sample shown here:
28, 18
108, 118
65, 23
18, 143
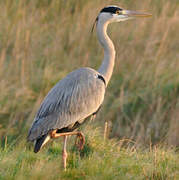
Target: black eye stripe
111, 9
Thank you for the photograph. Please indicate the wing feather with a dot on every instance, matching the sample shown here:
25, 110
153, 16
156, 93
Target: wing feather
72, 99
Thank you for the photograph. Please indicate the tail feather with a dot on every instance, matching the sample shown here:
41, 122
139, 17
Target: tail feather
41, 142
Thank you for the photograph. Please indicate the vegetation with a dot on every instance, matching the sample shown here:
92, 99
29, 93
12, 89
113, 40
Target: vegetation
43, 40
99, 160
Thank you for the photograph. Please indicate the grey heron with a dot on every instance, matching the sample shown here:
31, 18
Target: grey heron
81, 93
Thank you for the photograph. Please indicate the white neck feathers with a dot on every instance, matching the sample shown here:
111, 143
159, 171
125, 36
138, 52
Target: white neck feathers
107, 65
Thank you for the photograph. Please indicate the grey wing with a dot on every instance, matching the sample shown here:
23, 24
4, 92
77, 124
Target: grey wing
72, 99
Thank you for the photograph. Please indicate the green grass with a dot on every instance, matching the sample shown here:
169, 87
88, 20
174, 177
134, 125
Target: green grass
99, 159
41, 41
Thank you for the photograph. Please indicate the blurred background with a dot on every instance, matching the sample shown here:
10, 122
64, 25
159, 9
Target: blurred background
42, 41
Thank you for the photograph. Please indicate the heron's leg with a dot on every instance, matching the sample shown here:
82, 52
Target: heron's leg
78, 134
64, 153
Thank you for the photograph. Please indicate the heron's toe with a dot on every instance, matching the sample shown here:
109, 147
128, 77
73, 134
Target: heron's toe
80, 141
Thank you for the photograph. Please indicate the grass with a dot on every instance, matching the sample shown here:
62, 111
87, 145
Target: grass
100, 159
40, 44
42, 41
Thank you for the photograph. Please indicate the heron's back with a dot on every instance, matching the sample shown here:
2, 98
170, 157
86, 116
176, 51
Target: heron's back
71, 100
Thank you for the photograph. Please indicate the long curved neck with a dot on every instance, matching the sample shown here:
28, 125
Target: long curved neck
107, 65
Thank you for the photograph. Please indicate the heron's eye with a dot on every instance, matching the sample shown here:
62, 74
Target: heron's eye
118, 12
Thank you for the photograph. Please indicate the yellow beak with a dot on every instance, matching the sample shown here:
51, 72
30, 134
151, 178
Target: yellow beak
135, 13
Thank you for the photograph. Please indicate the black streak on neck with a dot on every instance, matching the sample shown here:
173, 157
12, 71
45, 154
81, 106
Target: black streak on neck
102, 78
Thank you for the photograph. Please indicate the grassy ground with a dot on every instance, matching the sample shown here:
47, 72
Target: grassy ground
100, 159
42, 41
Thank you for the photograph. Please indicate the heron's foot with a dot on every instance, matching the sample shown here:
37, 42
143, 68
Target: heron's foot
80, 141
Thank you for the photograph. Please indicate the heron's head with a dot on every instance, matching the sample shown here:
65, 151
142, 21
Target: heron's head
116, 14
